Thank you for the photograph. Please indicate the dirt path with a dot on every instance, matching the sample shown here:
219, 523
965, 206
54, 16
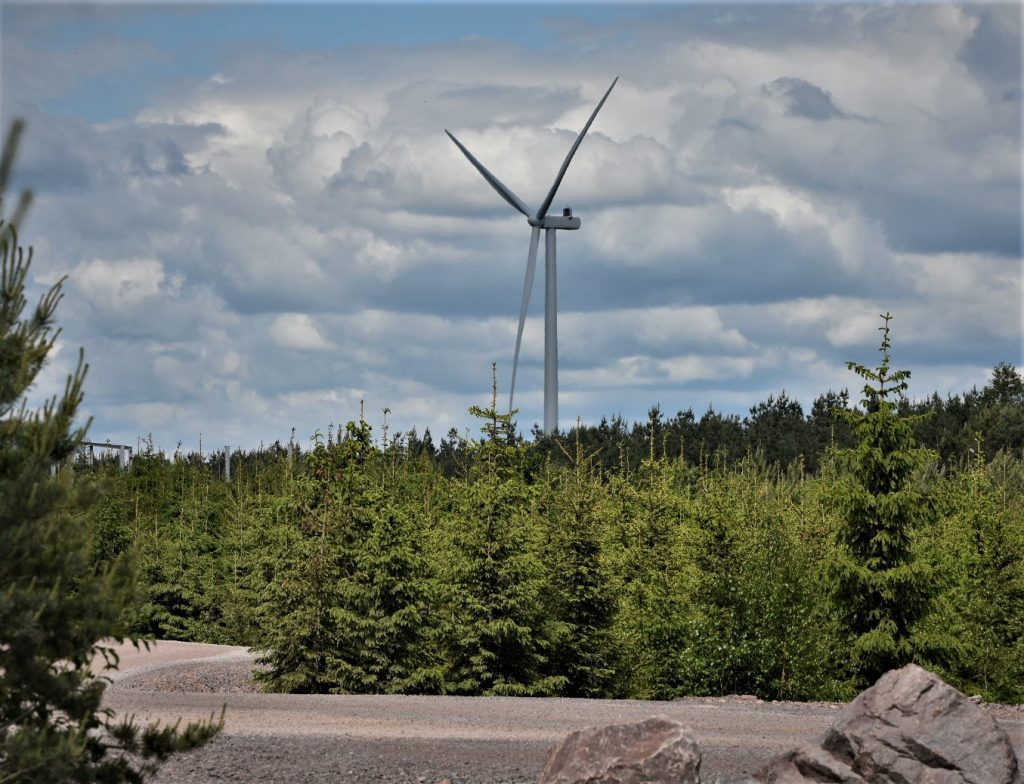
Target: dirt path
290, 738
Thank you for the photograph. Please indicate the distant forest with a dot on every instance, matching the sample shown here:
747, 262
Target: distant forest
786, 555
778, 430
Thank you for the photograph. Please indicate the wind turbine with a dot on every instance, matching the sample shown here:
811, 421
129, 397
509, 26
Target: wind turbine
550, 223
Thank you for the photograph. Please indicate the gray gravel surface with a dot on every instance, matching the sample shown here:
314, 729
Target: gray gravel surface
495, 740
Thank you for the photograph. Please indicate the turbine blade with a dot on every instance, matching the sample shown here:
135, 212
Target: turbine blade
503, 190
531, 266
568, 158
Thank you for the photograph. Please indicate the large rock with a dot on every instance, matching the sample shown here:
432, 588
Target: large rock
909, 728
655, 750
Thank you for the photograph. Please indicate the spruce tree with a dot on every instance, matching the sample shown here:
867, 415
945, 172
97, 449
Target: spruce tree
648, 544
988, 516
582, 599
777, 428
56, 610
498, 639
760, 615
345, 610
384, 616
880, 589
300, 606
1000, 415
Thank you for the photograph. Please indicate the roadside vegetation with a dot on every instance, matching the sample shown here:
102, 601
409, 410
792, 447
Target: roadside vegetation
784, 555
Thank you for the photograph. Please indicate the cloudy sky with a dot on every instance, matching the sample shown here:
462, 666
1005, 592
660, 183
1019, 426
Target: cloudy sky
262, 221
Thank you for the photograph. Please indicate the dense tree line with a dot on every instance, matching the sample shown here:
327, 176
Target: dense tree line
587, 565
779, 430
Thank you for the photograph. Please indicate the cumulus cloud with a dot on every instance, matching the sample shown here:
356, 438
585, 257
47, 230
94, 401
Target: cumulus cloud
269, 239
120, 286
297, 330
803, 99
632, 371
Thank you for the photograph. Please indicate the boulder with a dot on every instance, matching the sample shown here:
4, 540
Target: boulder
655, 750
910, 727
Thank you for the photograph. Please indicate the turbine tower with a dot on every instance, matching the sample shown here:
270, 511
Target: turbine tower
550, 223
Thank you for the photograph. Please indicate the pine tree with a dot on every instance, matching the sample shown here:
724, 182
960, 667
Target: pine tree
827, 427
55, 608
880, 589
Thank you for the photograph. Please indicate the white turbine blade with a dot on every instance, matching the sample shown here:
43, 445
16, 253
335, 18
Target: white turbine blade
531, 266
568, 158
503, 190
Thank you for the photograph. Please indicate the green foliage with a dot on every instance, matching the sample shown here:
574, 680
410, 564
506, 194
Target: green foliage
176, 520
301, 610
581, 599
761, 623
981, 542
777, 429
359, 567
383, 615
56, 610
677, 557
650, 539
344, 609
995, 414
497, 638
388, 612
881, 589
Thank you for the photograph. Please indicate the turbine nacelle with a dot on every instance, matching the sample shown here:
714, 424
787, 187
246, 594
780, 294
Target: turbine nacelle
564, 221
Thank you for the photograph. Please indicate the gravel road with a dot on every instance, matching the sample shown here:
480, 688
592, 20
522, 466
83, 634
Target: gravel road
423, 740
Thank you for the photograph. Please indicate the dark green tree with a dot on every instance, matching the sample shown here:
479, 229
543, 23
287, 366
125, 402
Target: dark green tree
582, 600
384, 614
304, 601
56, 610
778, 430
760, 615
648, 541
987, 519
346, 608
880, 589
1000, 418
498, 639
828, 427
721, 436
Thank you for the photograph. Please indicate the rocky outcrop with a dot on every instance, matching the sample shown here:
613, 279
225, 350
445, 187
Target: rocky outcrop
909, 727
655, 750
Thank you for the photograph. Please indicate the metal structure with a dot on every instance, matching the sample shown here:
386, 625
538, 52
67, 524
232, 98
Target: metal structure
124, 452
550, 223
